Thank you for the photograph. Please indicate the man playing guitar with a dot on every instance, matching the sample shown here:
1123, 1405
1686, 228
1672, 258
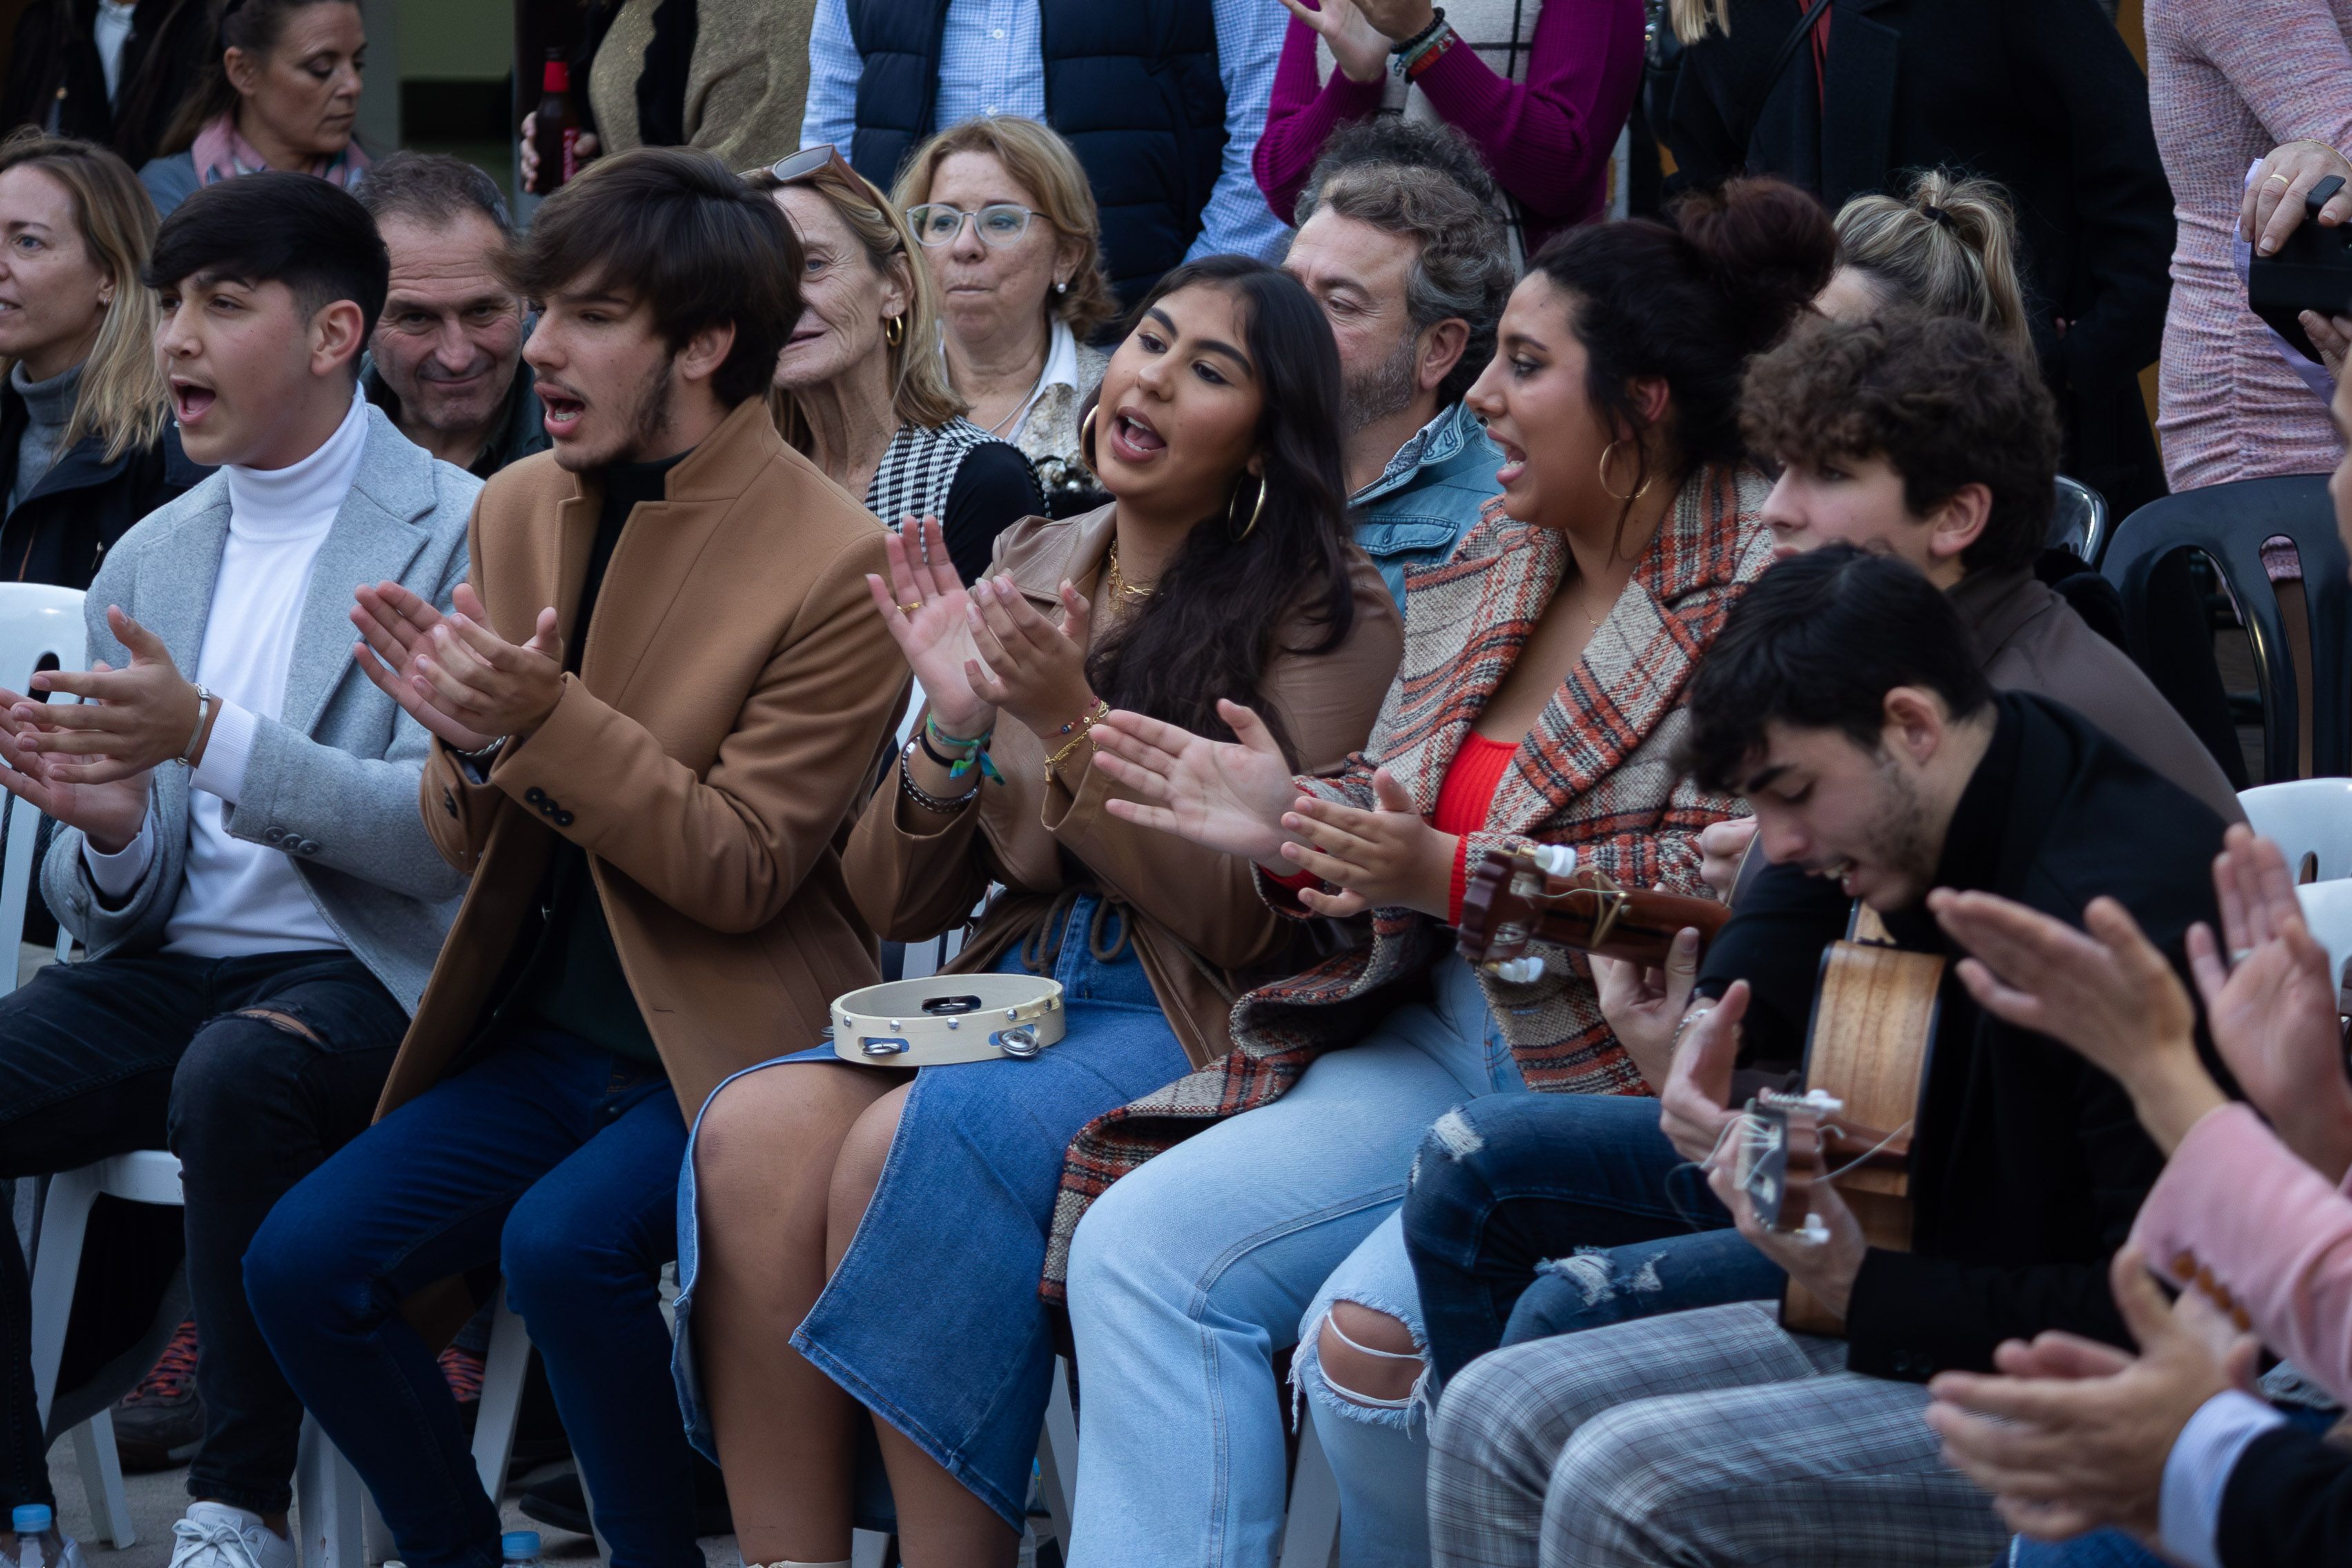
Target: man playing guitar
1844, 703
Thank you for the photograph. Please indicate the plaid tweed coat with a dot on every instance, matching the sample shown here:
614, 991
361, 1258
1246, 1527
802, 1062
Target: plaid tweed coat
1597, 772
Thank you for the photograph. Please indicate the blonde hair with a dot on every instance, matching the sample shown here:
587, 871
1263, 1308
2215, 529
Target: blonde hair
1948, 248
122, 395
1691, 18
920, 392
1037, 156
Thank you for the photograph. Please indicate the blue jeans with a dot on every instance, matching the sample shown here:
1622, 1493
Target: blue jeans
1192, 1272
558, 1162
1535, 1215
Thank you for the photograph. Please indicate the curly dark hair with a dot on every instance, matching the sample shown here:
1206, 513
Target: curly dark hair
1940, 398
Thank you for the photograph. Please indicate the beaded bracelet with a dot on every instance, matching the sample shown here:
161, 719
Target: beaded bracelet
1412, 67
1405, 56
1084, 726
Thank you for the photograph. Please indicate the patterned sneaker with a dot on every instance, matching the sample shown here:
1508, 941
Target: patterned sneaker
158, 1425
462, 1371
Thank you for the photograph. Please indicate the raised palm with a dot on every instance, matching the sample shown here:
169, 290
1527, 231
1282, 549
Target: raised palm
1226, 795
1356, 46
925, 607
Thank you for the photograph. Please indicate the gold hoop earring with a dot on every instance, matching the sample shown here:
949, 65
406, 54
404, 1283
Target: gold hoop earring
1640, 490
1255, 512
893, 330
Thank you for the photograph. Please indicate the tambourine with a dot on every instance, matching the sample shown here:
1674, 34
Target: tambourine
945, 1018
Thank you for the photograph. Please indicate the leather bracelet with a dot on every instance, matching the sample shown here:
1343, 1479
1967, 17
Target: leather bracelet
923, 739
206, 702
925, 798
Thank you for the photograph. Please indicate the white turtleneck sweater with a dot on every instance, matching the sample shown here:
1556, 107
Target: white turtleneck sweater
241, 897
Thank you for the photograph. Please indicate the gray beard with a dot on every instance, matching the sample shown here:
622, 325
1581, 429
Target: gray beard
1385, 389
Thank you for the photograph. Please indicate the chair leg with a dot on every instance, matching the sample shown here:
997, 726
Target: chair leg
1310, 1532
56, 1262
1057, 1454
328, 1498
101, 1480
503, 1373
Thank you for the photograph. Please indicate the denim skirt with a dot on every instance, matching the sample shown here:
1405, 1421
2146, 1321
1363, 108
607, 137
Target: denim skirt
933, 1320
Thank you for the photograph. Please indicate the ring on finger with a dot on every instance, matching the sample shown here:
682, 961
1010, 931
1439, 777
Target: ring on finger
2282, 179
911, 609
2240, 956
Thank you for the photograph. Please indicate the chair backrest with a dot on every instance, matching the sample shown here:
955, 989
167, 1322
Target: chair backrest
2327, 910
2078, 521
2306, 818
2229, 523
40, 627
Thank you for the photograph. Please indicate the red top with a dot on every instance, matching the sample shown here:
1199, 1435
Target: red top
1463, 800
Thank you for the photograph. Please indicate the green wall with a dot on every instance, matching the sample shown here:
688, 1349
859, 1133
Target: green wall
456, 40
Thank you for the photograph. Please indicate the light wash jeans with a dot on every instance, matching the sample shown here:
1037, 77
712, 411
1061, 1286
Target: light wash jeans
1190, 1272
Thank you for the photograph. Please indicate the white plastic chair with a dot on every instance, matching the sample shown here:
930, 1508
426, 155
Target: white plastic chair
2308, 817
40, 627
2327, 910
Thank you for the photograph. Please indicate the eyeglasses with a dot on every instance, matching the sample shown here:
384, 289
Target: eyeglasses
998, 222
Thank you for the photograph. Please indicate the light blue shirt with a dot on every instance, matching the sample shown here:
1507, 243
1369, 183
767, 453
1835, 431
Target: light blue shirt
990, 63
2197, 1473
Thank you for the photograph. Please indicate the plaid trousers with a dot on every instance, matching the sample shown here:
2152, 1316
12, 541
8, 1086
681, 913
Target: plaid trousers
1698, 1439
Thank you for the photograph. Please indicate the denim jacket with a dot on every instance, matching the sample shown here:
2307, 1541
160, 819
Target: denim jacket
1428, 496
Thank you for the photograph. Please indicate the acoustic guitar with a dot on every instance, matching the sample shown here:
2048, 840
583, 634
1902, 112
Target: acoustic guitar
1510, 902
1866, 1053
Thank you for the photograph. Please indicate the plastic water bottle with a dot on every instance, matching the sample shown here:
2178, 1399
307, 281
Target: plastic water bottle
31, 1521
519, 1548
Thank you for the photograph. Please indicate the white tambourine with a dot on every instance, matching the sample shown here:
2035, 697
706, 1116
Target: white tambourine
945, 1018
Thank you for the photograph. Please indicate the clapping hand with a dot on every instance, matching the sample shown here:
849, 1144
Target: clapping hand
2273, 1009
109, 812
927, 608
1029, 666
1723, 850
1356, 46
1226, 795
1382, 859
129, 719
2073, 1435
452, 673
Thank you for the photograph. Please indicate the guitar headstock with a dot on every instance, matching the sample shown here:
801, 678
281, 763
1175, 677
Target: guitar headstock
1503, 900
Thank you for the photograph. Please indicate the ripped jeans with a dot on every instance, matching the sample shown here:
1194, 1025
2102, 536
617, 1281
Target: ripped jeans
1546, 1214
1190, 1272
253, 1071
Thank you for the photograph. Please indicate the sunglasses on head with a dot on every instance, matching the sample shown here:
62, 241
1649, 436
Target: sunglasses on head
810, 162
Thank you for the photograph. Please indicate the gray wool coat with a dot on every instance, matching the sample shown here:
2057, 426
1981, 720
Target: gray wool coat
333, 780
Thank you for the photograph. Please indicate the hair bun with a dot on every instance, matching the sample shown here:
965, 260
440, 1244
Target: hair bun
1766, 246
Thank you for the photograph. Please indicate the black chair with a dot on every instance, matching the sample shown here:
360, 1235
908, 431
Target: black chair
2228, 523
2078, 522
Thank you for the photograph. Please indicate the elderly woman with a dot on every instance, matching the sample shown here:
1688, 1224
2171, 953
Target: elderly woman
1007, 223
283, 93
862, 388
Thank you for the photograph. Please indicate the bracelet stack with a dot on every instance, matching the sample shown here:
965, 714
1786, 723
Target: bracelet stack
1415, 54
944, 805
974, 753
1084, 724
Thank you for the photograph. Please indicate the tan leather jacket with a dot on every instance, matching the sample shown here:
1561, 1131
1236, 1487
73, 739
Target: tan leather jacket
1199, 928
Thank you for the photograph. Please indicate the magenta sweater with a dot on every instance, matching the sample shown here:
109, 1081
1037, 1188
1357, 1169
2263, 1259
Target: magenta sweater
1547, 139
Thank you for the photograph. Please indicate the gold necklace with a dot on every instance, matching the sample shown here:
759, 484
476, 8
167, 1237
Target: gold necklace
1121, 590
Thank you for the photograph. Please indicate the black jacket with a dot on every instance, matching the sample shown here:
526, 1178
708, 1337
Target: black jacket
522, 426
84, 503
2288, 1503
2040, 95
55, 79
1132, 86
2027, 1164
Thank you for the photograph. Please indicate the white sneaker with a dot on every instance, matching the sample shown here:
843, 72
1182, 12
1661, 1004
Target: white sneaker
214, 1535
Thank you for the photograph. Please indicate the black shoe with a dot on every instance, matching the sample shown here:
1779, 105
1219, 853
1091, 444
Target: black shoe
560, 1503
158, 1425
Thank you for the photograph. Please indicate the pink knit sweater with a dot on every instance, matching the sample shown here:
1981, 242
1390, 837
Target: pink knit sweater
1546, 138
2229, 80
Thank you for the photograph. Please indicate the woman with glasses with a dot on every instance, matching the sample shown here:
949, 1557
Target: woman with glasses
862, 388
1007, 224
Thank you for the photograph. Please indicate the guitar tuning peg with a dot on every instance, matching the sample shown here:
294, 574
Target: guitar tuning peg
1519, 971
1555, 859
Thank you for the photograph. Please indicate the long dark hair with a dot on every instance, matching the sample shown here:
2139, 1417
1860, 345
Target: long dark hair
1207, 631
253, 25
1689, 302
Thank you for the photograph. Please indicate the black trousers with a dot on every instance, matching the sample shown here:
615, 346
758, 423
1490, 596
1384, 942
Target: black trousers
252, 1071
